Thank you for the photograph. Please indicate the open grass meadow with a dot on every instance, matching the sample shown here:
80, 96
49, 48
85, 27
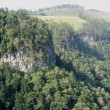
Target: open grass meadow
75, 22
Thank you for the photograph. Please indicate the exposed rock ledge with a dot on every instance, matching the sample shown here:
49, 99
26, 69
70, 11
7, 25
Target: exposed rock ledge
23, 63
89, 40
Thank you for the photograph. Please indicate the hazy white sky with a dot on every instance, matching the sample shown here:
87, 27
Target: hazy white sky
36, 4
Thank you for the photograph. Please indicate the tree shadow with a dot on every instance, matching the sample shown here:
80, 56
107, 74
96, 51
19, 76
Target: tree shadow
64, 65
85, 48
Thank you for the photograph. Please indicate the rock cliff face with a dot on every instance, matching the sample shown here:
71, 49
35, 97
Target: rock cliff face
25, 42
89, 40
19, 60
25, 62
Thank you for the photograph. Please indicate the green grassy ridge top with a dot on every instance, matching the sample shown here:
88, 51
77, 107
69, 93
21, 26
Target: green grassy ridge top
74, 10
75, 22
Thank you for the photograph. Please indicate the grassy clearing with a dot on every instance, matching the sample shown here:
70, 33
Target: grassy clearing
76, 22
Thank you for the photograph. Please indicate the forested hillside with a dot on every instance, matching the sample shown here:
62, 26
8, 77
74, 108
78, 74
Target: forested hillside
49, 66
25, 42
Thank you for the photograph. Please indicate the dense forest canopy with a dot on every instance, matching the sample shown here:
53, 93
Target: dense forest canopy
79, 77
25, 39
22, 30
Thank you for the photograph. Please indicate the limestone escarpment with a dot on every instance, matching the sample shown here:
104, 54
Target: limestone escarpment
25, 42
25, 62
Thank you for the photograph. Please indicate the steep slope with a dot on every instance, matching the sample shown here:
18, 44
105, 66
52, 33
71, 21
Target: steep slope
25, 43
96, 35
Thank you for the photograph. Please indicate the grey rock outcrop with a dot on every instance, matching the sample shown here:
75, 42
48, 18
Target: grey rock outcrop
25, 62
89, 40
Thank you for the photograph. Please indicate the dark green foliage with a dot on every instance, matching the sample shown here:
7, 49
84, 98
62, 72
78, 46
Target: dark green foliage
55, 89
63, 36
80, 80
20, 32
99, 31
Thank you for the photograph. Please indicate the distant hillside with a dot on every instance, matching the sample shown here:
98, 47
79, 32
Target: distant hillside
96, 14
73, 10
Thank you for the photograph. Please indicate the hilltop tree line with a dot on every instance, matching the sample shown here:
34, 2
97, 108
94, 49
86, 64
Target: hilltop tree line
65, 9
61, 7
